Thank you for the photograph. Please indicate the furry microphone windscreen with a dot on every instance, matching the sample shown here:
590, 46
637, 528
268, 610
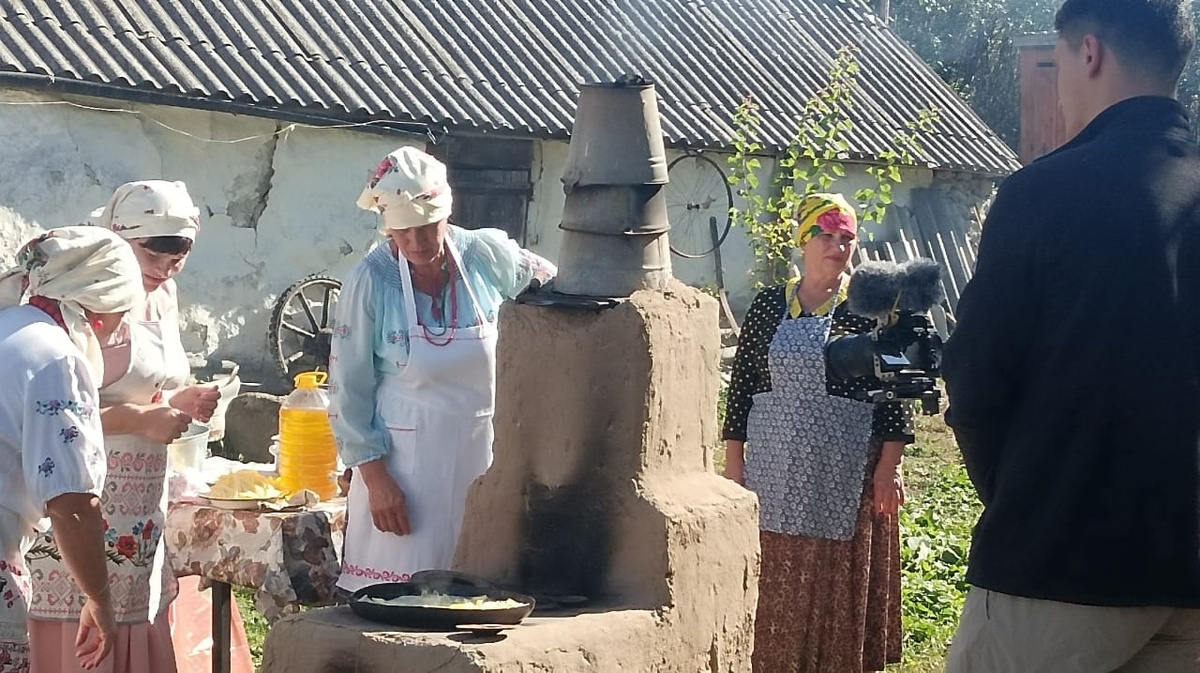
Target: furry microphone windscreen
878, 287
921, 286
873, 289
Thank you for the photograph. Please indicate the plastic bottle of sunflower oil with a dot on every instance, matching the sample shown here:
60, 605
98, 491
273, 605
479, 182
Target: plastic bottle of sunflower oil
307, 450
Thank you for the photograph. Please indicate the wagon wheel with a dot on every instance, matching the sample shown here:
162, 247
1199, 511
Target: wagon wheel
698, 193
302, 325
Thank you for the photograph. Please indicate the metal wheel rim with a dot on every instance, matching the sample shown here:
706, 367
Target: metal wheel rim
689, 206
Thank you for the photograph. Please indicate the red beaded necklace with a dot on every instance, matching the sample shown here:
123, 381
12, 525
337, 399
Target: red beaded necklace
452, 330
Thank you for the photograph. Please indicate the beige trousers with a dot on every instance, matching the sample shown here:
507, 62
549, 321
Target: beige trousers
1000, 633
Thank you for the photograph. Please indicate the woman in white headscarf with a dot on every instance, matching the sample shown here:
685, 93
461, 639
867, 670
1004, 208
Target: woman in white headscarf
413, 367
70, 290
145, 404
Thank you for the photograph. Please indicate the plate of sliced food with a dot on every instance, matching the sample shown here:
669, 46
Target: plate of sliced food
417, 605
243, 489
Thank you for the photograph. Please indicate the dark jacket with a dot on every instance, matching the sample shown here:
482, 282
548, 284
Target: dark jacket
1073, 372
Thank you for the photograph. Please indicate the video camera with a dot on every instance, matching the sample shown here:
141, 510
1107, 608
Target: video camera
903, 354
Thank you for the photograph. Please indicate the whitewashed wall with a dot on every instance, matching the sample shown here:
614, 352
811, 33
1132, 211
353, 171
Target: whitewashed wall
272, 209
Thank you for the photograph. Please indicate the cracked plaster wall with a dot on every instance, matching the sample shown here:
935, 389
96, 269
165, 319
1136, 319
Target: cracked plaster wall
272, 210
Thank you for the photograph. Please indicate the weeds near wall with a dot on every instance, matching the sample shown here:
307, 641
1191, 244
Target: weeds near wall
811, 163
935, 539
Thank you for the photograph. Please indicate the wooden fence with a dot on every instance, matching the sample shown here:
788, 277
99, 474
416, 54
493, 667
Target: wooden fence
932, 229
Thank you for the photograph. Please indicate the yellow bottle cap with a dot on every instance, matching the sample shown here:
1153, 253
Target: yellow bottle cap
310, 380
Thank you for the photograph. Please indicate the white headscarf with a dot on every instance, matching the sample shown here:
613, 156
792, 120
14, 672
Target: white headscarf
81, 268
149, 208
410, 189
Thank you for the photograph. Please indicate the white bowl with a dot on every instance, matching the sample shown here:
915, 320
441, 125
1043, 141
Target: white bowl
189, 451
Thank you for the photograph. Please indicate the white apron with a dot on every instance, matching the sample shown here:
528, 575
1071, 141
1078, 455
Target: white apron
134, 501
438, 412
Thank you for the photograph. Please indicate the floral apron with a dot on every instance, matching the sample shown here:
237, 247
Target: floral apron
807, 455
134, 501
438, 413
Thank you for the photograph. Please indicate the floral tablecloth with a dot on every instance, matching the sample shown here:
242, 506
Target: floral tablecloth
289, 558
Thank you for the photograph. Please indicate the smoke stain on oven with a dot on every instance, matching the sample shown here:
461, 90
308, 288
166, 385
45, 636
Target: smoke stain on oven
568, 538
344, 661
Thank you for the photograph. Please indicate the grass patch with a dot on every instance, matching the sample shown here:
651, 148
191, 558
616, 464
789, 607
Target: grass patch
256, 625
935, 536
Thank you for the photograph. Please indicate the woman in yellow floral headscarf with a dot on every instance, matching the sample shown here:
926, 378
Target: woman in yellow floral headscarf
826, 468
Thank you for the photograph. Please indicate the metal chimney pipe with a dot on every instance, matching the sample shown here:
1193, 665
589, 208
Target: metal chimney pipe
615, 216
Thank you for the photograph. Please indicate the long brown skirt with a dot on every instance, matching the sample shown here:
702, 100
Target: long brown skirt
830, 606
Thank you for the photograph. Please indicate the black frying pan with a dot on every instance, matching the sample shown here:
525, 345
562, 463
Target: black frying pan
436, 618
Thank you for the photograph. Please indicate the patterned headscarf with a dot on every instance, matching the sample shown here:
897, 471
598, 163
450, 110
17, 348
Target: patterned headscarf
824, 214
150, 208
81, 268
410, 189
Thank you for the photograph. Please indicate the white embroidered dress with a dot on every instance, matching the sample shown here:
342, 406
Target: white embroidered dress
134, 501
50, 444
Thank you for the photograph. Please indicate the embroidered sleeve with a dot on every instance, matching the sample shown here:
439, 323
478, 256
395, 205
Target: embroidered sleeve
750, 374
509, 266
536, 268
352, 379
62, 443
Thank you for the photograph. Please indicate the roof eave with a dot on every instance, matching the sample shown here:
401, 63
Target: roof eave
48, 83
362, 123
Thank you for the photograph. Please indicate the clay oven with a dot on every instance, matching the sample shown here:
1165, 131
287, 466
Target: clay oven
602, 485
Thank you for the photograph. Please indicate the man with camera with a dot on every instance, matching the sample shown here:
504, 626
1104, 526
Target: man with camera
1074, 371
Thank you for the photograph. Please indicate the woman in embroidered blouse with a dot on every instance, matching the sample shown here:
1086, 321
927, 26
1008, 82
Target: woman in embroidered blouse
826, 468
412, 371
145, 405
71, 288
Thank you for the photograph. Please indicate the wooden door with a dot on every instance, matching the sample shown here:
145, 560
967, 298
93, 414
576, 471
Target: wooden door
1042, 128
492, 179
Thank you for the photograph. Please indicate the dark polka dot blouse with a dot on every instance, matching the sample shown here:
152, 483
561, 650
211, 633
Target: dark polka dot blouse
893, 421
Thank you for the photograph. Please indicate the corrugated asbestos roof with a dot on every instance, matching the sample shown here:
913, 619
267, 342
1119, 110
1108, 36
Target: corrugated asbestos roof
498, 65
